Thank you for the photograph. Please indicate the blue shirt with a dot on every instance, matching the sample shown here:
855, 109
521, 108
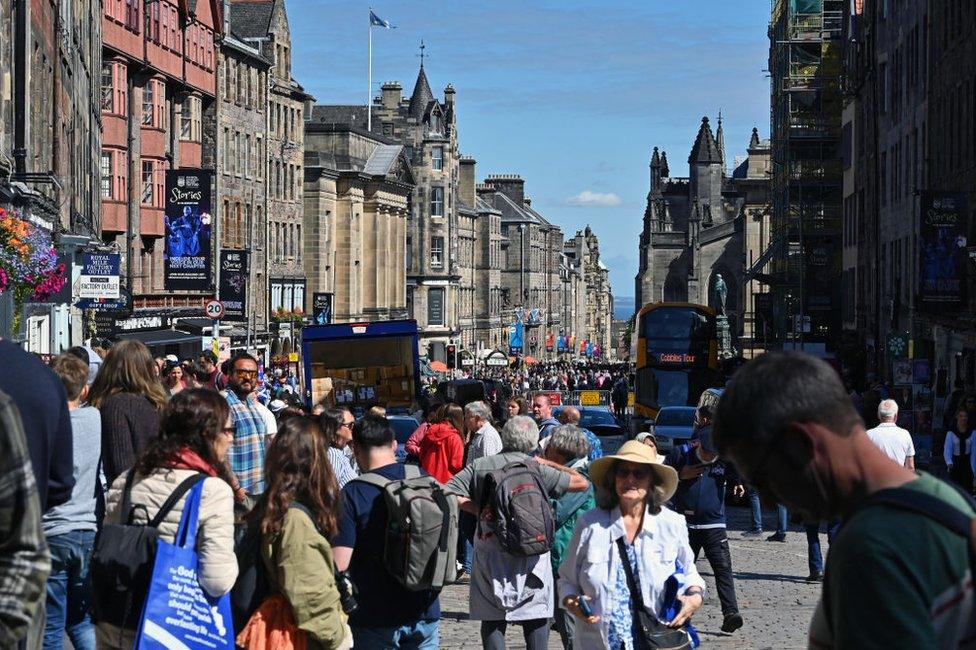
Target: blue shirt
246, 454
383, 602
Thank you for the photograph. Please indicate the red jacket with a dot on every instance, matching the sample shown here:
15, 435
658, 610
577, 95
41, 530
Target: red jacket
442, 452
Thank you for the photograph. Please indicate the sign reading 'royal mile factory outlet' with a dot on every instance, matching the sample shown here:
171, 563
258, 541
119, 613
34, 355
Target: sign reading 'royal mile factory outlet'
233, 285
186, 258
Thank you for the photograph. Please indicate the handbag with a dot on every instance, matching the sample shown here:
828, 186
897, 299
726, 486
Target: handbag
655, 634
178, 614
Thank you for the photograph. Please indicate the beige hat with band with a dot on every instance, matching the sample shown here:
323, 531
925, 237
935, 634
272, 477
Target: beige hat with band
636, 452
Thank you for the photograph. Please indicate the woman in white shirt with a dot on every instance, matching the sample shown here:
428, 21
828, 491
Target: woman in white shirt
629, 520
957, 451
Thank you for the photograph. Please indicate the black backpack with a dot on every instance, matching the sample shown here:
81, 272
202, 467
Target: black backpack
516, 508
123, 557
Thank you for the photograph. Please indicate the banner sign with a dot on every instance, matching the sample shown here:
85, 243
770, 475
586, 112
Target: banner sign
233, 285
99, 276
187, 263
321, 308
942, 256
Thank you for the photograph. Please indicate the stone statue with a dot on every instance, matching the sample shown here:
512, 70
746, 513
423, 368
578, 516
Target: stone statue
721, 292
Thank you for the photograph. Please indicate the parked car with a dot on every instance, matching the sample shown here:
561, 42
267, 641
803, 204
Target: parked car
601, 421
403, 426
673, 426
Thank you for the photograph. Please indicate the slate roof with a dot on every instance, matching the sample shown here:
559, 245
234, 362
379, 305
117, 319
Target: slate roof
422, 96
706, 149
511, 212
353, 115
251, 18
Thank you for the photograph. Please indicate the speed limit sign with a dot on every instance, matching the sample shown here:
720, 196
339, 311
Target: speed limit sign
214, 309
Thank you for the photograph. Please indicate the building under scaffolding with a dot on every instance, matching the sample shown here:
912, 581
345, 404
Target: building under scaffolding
804, 259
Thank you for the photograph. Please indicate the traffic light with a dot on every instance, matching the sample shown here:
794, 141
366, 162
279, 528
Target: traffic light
451, 356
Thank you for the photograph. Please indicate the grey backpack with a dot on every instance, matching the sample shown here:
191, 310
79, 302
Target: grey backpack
516, 509
421, 529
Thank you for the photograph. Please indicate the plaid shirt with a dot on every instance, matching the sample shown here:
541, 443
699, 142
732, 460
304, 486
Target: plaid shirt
24, 559
246, 455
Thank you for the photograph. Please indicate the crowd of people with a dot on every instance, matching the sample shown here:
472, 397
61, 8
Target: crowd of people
355, 544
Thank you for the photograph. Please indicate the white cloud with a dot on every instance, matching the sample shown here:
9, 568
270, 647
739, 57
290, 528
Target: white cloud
586, 197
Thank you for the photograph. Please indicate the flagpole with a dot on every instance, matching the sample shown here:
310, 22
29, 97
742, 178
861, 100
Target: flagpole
369, 90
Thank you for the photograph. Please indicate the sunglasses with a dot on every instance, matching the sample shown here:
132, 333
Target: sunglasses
638, 473
246, 373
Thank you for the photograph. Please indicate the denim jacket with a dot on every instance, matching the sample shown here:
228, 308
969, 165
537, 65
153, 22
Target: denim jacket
591, 564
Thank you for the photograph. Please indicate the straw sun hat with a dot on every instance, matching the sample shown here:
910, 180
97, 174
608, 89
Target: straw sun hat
635, 452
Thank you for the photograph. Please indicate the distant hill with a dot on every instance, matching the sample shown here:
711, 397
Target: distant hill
623, 307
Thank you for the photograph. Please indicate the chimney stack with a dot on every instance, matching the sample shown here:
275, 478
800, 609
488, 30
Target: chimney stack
511, 185
391, 95
466, 180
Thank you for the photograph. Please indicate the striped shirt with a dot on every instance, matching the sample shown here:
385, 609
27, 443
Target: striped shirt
246, 455
341, 467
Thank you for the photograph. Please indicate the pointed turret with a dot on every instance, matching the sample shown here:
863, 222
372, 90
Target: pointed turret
705, 151
720, 139
665, 170
422, 95
754, 140
655, 170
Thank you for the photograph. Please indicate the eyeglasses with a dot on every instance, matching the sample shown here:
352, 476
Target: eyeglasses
639, 473
246, 373
348, 425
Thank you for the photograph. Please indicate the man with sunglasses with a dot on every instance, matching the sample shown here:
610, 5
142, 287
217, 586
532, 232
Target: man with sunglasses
246, 455
897, 576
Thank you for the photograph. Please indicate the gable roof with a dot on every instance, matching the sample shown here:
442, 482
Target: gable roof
251, 18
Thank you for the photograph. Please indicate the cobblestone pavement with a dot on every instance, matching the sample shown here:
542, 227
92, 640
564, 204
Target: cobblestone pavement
774, 597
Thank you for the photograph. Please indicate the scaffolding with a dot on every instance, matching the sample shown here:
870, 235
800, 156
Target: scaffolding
805, 63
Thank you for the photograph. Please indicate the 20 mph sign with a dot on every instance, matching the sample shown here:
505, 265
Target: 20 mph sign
214, 309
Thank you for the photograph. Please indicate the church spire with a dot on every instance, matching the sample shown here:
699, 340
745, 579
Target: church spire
655, 170
754, 140
705, 151
720, 140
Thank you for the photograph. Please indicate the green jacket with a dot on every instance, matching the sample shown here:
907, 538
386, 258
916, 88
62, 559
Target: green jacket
300, 567
566, 510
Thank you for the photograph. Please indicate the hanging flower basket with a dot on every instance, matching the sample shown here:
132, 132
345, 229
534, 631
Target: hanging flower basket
29, 267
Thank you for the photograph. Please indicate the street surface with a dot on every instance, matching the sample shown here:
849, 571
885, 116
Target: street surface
774, 598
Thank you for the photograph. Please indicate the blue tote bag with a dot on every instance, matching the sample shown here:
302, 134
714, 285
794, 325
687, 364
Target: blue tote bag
178, 615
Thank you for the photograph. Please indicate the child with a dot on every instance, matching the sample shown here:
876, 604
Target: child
70, 527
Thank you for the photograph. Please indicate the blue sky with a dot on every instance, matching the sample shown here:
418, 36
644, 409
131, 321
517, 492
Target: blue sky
572, 95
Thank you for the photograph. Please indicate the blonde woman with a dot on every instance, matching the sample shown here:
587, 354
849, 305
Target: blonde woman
129, 395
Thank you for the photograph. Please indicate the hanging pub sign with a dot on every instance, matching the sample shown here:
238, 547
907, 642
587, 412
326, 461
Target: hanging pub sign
233, 285
942, 252
187, 263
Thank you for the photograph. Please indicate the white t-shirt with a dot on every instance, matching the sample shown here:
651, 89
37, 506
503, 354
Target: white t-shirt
269, 419
895, 442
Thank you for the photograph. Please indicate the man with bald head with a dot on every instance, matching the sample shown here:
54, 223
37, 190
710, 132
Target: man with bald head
890, 438
571, 415
542, 414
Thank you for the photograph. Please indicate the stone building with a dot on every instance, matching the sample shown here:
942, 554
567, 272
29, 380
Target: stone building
584, 250
50, 141
950, 147
751, 178
357, 197
427, 130
158, 81
241, 127
264, 23
693, 229
531, 256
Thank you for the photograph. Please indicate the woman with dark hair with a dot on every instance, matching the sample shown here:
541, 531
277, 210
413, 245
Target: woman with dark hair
442, 449
297, 515
516, 406
624, 552
957, 450
336, 424
129, 396
173, 378
194, 436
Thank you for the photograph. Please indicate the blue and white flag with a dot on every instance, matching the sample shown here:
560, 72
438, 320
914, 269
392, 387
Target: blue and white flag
376, 21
